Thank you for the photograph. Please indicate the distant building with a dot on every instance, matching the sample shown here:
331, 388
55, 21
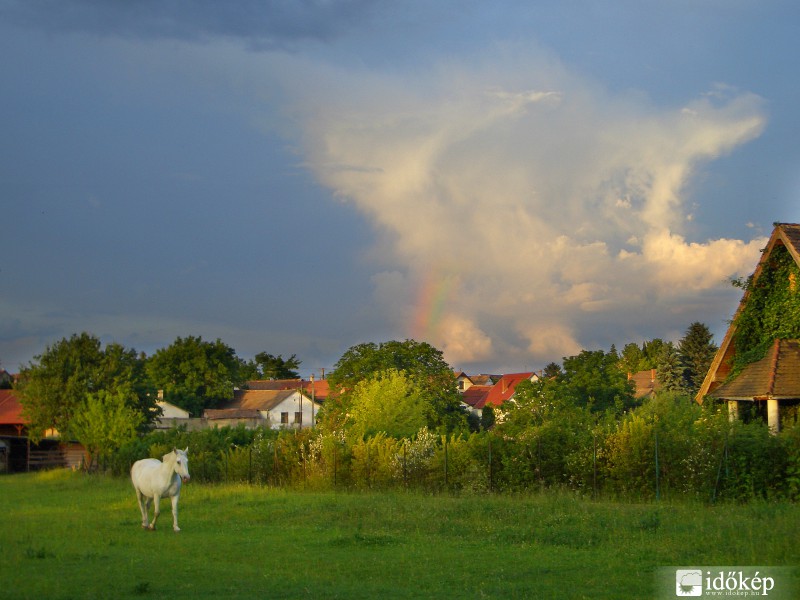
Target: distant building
276, 409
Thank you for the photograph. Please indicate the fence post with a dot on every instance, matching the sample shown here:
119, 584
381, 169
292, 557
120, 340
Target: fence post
275, 462
491, 474
250, 465
445, 463
405, 469
594, 466
723, 460
658, 491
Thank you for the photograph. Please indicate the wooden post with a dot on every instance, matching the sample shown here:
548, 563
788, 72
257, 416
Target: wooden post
733, 410
773, 416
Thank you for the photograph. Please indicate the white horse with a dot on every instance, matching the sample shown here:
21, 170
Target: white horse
153, 479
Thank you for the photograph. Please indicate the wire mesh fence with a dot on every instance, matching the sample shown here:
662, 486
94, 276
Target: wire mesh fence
638, 461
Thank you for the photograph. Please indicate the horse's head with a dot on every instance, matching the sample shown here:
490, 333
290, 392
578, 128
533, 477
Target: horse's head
181, 463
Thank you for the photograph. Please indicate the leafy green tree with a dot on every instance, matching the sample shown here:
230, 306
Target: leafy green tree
652, 351
419, 360
696, 350
195, 374
632, 359
551, 371
545, 434
103, 423
5, 379
488, 417
54, 386
276, 367
594, 378
389, 402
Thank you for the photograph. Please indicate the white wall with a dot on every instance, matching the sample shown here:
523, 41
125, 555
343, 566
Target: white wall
293, 404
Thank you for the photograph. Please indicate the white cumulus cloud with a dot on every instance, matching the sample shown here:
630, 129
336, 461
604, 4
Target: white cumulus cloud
551, 204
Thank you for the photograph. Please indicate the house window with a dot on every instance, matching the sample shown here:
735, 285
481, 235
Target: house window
284, 418
298, 418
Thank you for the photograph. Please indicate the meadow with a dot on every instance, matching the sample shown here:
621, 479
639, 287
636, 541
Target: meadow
72, 535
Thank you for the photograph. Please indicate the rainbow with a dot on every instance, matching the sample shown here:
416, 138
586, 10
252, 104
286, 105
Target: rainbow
432, 299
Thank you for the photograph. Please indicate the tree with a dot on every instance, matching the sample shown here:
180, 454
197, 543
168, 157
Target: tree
195, 374
54, 386
488, 417
6, 381
419, 360
551, 371
652, 352
594, 378
276, 367
696, 350
390, 402
103, 423
669, 370
632, 359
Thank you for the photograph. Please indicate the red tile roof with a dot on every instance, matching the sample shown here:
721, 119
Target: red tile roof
505, 387
476, 396
11, 409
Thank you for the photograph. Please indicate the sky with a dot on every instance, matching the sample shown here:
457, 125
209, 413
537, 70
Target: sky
512, 182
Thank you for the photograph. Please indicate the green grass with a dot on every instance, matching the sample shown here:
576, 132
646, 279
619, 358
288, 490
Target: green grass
68, 535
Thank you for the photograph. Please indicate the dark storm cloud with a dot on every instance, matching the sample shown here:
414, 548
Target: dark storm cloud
261, 23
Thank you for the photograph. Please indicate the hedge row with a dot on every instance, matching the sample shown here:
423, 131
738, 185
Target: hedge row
666, 450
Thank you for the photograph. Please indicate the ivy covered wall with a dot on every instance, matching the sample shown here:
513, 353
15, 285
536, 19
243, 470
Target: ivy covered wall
772, 310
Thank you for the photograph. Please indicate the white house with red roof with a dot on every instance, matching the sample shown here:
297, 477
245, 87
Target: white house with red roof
475, 397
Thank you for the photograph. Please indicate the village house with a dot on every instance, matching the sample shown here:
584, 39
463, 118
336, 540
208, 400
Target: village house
475, 397
645, 384
774, 380
464, 382
276, 409
17, 453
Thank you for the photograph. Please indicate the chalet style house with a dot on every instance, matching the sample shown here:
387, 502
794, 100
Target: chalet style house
772, 379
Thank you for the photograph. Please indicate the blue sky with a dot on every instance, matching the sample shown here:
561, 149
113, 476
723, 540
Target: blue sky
510, 181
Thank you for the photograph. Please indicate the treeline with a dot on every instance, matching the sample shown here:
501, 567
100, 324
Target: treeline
394, 418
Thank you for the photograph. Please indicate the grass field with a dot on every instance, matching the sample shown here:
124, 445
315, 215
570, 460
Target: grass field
68, 535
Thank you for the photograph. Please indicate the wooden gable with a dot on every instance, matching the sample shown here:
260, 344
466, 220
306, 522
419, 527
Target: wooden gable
786, 235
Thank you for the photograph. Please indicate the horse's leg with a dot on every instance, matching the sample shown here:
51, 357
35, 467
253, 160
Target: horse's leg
175, 512
142, 507
156, 510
